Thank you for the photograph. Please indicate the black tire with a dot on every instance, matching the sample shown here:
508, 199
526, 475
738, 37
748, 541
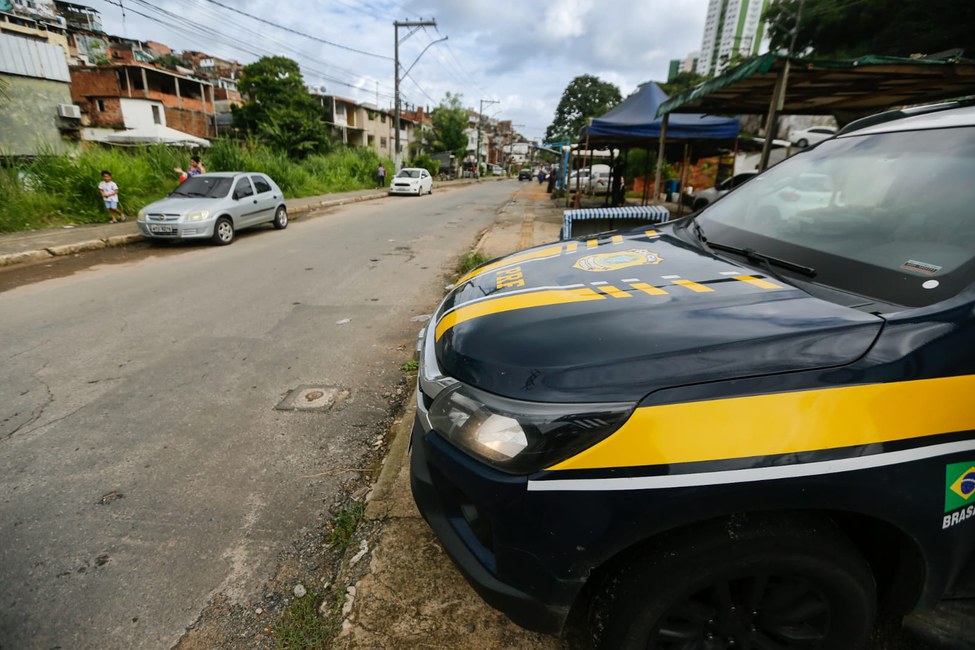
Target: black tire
280, 218
223, 231
802, 143
755, 582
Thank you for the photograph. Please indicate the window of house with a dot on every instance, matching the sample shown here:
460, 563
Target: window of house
371, 140
382, 118
100, 105
383, 142
156, 117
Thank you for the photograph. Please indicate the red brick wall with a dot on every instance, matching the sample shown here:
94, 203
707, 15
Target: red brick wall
94, 82
192, 122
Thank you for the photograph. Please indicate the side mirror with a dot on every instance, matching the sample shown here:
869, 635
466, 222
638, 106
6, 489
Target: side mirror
236, 195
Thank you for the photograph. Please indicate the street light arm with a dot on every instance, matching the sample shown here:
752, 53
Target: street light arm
439, 40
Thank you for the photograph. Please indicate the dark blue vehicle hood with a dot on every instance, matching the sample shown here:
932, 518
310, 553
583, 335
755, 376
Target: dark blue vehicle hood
617, 318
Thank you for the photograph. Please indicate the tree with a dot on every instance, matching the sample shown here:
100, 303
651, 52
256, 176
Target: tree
449, 127
681, 82
586, 96
843, 29
279, 110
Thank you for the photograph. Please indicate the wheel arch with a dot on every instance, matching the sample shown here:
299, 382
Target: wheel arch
894, 556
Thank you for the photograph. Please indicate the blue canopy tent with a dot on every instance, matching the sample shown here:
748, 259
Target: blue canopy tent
636, 119
635, 123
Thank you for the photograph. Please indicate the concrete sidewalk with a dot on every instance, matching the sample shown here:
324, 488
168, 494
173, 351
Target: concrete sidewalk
405, 591
37, 245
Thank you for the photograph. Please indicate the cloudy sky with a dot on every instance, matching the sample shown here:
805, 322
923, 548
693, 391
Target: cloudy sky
519, 53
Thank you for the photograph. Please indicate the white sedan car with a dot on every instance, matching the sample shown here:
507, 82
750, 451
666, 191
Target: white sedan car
806, 137
412, 180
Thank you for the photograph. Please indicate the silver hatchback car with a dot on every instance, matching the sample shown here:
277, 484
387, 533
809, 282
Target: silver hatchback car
215, 206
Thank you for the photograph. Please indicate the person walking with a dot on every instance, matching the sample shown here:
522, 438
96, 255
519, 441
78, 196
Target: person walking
381, 176
196, 168
109, 192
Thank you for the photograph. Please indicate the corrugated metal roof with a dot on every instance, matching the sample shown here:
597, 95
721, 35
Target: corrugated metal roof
819, 87
29, 58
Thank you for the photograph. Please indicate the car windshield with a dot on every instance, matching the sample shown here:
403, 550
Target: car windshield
409, 173
210, 187
889, 216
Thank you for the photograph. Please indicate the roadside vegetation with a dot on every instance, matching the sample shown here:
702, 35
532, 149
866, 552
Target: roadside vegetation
341, 529
305, 623
470, 261
58, 190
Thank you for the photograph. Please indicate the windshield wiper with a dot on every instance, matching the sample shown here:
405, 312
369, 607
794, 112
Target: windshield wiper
768, 260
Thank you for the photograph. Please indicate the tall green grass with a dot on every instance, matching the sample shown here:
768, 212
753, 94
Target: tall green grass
62, 189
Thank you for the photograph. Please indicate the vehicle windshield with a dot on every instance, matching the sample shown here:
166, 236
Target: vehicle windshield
210, 187
409, 173
888, 216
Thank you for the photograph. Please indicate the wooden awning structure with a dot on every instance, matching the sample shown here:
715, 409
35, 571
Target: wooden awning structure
846, 89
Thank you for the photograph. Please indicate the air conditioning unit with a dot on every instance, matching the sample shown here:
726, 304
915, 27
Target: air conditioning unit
69, 111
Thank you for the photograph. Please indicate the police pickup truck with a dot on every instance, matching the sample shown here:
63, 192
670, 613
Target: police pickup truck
749, 428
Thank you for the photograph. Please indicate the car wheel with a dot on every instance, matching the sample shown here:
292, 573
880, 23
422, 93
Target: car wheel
223, 231
280, 218
748, 582
802, 143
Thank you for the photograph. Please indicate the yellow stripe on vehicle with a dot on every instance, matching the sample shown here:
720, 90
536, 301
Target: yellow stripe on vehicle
758, 282
551, 251
616, 292
648, 289
693, 286
784, 423
515, 302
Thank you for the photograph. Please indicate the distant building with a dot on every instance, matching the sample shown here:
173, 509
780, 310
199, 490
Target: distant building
79, 17
34, 20
38, 115
732, 27
687, 64
136, 102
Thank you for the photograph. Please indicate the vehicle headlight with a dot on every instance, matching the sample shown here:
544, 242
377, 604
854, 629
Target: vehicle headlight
196, 215
521, 437
142, 215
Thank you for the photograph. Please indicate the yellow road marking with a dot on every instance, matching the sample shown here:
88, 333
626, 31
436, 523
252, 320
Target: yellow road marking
592, 243
651, 234
571, 247
617, 239
785, 423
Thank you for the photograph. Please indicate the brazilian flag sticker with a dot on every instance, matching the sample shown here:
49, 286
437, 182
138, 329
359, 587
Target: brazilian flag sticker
959, 485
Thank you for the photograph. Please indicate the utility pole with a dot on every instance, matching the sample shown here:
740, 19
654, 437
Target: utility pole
397, 154
480, 121
778, 95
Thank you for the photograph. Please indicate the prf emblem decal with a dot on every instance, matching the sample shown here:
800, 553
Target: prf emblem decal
959, 493
617, 260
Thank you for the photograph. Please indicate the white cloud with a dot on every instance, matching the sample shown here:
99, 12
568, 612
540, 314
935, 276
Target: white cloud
521, 53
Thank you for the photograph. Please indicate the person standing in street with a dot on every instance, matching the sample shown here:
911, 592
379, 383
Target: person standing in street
109, 192
381, 176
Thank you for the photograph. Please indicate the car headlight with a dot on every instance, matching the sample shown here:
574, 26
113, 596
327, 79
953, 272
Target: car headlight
196, 215
142, 215
521, 437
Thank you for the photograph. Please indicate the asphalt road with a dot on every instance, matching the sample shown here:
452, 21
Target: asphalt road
143, 466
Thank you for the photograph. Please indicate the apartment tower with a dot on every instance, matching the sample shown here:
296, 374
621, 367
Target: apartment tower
732, 27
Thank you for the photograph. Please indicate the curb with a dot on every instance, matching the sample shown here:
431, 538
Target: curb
376, 500
9, 259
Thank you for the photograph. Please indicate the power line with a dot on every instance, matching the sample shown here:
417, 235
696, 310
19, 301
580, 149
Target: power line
294, 31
